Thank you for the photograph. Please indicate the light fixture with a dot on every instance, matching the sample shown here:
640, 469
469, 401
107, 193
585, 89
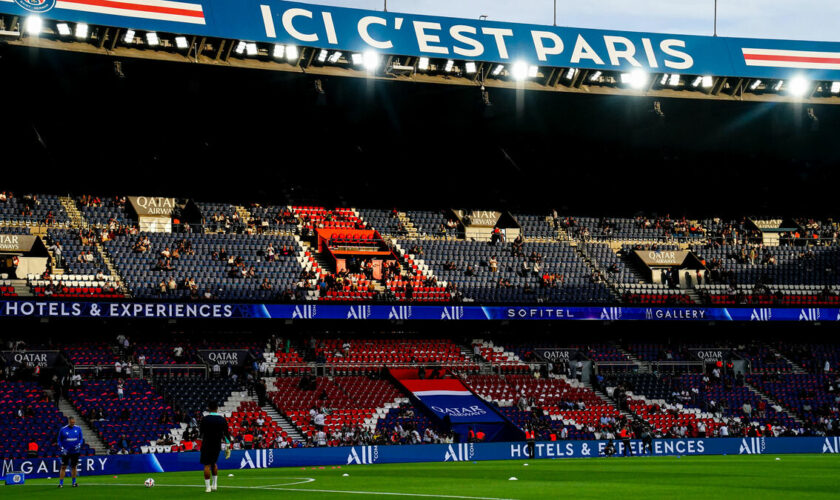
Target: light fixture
63, 29
664, 79
33, 25
322, 56
240, 47
357, 58
570, 73
81, 31
152, 38
371, 60
636, 78
674, 80
498, 69
181, 42
533, 71
423, 64
835, 87
334, 57
449, 65
251, 49
129, 36
595, 76
292, 53
778, 85
470, 67
798, 86
708, 81
754, 85
519, 71
697, 81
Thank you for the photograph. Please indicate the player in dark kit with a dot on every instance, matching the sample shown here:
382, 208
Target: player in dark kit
214, 430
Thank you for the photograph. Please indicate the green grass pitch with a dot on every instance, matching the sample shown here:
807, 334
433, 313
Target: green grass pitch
761, 477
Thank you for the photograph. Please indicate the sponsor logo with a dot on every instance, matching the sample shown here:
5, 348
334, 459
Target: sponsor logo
831, 445
453, 313
611, 313
762, 314
459, 452
752, 446
36, 5
261, 459
304, 312
400, 312
462, 411
710, 354
365, 456
9, 242
359, 312
677, 313
224, 358
809, 315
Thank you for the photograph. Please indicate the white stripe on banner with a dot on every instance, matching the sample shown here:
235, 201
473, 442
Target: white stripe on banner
796, 53
69, 5
443, 393
168, 4
791, 59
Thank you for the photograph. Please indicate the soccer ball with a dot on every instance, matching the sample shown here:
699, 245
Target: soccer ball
149, 483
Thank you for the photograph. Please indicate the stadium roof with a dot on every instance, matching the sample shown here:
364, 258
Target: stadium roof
331, 41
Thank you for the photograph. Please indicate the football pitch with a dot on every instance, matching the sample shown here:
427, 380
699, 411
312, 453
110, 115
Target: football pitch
762, 476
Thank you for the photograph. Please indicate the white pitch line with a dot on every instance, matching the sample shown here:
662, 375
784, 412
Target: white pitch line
309, 490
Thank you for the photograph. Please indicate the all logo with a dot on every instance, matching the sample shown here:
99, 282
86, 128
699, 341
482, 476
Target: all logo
359, 312
809, 315
261, 459
752, 446
36, 5
831, 445
453, 312
611, 313
365, 456
400, 312
459, 452
304, 312
762, 314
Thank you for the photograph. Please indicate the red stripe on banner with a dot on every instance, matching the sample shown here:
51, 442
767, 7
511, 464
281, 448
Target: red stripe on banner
805, 59
142, 8
447, 384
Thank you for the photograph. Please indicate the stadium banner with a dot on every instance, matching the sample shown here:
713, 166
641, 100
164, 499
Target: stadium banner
356, 30
40, 358
368, 455
225, 357
16, 243
155, 206
191, 310
557, 355
662, 258
711, 355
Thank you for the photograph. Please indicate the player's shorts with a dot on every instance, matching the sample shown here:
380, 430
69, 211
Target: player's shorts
210, 454
70, 459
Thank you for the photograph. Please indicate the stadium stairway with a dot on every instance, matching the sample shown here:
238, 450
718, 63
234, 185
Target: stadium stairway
244, 214
774, 402
611, 285
409, 226
608, 400
21, 288
112, 269
285, 424
76, 218
92, 438
795, 368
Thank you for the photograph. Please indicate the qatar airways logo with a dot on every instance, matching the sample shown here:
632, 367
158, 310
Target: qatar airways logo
460, 411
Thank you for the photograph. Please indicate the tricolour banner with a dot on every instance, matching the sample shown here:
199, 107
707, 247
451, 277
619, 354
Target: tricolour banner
449, 398
169, 310
355, 30
456, 452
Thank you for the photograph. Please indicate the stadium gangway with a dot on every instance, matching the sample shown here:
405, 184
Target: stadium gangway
139, 371
676, 366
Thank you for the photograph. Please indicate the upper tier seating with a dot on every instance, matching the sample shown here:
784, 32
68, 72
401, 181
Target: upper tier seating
32, 210
370, 355
560, 259
101, 211
805, 394
72, 246
536, 226
142, 276
794, 265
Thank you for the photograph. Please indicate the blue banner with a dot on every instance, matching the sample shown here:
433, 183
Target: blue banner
137, 310
368, 455
355, 30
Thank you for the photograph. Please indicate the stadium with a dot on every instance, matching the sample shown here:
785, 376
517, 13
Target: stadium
398, 255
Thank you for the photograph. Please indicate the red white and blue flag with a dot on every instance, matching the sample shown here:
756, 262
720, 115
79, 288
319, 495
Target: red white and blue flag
159, 10
802, 59
449, 398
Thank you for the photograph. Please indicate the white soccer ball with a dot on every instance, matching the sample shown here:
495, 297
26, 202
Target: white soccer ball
149, 483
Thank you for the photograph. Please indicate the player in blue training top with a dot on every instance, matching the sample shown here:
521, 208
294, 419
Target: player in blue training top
70, 442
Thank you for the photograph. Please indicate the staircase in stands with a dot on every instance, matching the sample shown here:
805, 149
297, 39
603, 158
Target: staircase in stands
773, 402
76, 217
21, 288
794, 368
408, 225
244, 214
